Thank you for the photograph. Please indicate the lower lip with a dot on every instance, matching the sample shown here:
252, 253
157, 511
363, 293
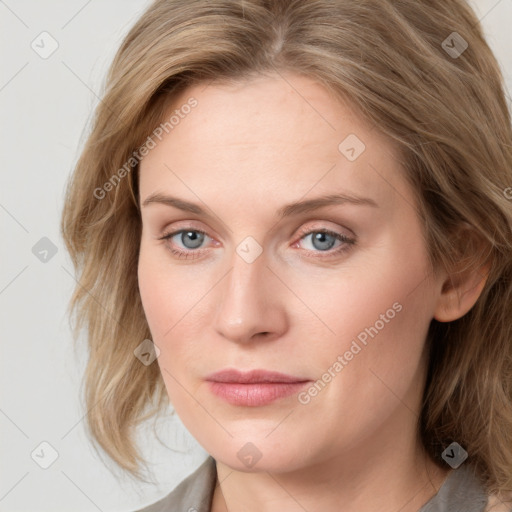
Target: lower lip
253, 395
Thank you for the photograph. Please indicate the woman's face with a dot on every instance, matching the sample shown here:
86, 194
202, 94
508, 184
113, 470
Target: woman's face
345, 313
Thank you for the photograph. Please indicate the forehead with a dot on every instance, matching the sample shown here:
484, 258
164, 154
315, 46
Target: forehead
273, 132
277, 109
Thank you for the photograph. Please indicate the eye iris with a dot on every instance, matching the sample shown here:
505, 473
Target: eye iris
320, 238
197, 239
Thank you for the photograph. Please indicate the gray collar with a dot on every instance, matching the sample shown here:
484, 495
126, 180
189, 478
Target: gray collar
461, 491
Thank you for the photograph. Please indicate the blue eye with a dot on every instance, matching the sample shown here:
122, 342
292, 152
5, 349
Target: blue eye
322, 240
191, 240
193, 237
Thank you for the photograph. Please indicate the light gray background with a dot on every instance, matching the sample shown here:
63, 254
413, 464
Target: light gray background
45, 107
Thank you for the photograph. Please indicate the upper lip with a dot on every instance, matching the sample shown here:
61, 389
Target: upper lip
252, 376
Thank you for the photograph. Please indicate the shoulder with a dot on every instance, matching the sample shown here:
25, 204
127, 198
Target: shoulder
194, 494
462, 490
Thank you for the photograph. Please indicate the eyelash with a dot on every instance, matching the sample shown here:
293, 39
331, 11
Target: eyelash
196, 253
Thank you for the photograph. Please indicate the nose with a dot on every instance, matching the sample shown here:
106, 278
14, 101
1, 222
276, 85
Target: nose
250, 302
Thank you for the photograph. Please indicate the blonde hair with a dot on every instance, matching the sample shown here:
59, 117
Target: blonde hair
394, 61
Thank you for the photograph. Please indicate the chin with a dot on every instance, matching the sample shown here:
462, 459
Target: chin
254, 457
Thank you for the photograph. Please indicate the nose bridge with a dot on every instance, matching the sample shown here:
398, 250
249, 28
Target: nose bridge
249, 300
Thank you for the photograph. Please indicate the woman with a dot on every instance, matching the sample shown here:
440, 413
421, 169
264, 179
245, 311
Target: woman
292, 221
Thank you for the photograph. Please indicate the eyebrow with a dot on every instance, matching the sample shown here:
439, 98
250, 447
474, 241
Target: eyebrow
295, 208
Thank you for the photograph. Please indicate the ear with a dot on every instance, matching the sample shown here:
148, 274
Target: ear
461, 287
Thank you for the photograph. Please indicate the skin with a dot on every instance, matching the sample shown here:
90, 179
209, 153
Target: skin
244, 152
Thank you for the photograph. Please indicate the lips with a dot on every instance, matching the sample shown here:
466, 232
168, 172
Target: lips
252, 377
254, 388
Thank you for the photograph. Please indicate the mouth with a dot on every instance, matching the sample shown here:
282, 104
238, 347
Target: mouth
254, 388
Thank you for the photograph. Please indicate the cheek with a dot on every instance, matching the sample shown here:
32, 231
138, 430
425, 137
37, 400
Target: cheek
153, 292
173, 302
380, 371
165, 290
380, 315
162, 306
382, 293
164, 295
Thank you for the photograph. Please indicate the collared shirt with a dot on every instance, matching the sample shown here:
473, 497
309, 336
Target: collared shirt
461, 491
